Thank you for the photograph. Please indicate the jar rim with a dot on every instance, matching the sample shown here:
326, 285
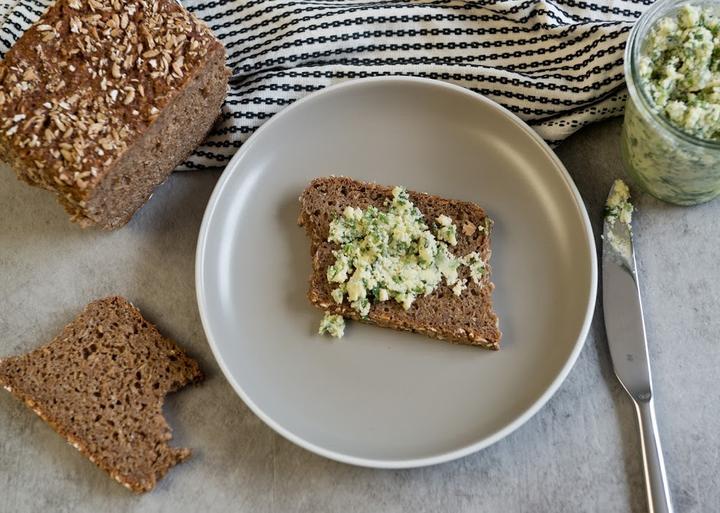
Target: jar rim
632, 49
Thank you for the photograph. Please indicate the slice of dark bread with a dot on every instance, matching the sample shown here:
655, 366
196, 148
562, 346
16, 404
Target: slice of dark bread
101, 384
465, 319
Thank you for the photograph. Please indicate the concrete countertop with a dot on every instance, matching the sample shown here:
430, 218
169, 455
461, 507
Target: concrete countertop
578, 454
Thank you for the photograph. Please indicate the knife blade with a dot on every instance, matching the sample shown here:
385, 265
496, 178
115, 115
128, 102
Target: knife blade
625, 328
624, 321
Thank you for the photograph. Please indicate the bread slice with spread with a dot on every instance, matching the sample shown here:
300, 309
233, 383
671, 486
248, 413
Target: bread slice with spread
452, 306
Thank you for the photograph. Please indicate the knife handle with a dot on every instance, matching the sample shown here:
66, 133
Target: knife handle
656, 484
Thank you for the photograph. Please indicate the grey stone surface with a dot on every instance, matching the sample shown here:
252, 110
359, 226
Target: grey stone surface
579, 454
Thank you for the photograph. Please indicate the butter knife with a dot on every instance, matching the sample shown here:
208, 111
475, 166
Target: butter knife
625, 329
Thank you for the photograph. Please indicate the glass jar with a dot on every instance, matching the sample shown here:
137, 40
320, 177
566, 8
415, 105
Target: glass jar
667, 162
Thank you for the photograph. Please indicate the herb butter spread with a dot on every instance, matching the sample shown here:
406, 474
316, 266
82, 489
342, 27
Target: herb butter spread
680, 70
618, 209
393, 255
333, 325
618, 206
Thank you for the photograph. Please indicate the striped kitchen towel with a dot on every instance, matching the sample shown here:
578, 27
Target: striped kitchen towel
558, 64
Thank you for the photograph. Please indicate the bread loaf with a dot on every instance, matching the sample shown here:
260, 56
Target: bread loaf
465, 319
101, 99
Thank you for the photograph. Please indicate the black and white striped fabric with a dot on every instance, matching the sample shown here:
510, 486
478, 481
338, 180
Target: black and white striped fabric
558, 64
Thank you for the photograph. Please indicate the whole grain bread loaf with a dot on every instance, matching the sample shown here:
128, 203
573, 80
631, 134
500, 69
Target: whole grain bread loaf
465, 319
101, 384
101, 99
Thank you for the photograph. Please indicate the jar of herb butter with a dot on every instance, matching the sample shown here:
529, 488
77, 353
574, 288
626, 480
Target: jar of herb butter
671, 133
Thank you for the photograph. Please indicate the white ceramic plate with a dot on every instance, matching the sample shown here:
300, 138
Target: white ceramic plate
379, 397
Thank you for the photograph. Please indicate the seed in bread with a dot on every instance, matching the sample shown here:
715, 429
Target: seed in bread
465, 318
101, 99
101, 384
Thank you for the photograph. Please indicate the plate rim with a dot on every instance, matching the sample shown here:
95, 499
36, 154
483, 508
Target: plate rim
446, 456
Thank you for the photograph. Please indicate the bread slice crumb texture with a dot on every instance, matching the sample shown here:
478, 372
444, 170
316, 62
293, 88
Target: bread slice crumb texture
101, 384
